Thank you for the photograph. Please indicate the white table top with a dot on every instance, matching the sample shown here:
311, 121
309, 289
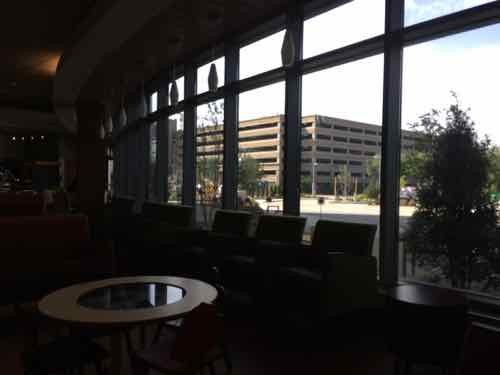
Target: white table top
63, 304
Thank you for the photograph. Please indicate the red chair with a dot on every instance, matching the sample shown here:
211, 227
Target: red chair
480, 351
191, 350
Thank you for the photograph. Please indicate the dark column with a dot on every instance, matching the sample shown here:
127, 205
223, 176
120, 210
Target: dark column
230, 183
391, 143
91, 159
293, 117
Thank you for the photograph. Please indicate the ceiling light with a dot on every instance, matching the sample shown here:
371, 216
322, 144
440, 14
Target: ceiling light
288, 50
213, 79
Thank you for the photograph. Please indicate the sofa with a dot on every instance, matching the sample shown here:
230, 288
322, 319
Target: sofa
44, 253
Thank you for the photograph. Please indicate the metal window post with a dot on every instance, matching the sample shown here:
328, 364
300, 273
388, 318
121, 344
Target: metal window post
391, 139
189, 152
293, 116
230, 173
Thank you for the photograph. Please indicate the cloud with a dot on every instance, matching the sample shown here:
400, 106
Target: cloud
433, 69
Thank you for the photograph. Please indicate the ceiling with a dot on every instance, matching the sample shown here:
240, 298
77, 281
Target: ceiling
186, 28
33, 35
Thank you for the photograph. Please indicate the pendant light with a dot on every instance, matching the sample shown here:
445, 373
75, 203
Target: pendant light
108, 125
213, 78
174, 91
288, 50
122, 113
102, 132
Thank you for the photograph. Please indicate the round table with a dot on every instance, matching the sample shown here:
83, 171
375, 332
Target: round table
427, 324
125, 302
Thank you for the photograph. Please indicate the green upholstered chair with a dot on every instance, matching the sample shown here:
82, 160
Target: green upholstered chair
336, 274
245, 267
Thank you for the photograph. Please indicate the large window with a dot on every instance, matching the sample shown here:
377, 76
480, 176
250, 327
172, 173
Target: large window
352, 22
338, 100
209, 160
261, 149
450, 174
261, 56
423, 10
175, 138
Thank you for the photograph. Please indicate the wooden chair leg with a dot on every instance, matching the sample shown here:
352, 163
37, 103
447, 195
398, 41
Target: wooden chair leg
211, 369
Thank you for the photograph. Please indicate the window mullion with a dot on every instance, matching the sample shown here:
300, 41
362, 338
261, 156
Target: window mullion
391, 139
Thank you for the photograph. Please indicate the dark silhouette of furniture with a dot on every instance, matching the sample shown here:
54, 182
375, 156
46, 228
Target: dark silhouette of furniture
479, 354
193, 348
174, 325
334, 275
21, 204
244, 266
229, 229
64, 355
44, 253
426, 326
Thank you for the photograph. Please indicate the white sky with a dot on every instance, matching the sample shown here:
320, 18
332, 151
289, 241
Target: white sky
465, 63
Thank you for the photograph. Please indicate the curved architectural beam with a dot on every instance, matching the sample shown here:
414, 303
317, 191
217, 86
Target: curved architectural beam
112, 30
22, 120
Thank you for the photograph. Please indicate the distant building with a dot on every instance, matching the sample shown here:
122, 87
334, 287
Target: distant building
328, 145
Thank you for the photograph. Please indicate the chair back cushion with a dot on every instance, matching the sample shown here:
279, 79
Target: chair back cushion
235, 223
178, 215
352, 238
199, 333
122, 206
287, 229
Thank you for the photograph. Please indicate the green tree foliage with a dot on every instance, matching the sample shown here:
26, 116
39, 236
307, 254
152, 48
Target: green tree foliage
210, 145
249, 174
372, 189
455, 220
306, 184
412, 163
494, 172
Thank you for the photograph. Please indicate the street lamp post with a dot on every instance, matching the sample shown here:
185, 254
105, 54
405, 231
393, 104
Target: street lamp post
313, 187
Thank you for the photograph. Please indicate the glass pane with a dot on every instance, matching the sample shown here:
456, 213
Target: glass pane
180, 88
423, 10
352, 22
175, 136
261, 56
450, 174
131, 296
209, 160
341, 144
260, 149
204, 70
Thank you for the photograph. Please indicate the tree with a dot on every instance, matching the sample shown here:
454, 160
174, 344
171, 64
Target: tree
209, 146
344, 180
372, 189
249, 174
412, 163
455, 220
494, 173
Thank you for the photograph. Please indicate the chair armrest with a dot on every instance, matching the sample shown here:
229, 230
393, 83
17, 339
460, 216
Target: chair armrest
350, 283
